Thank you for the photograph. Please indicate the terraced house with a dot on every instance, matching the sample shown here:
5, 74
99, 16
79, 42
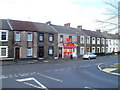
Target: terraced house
25, 40
32, 40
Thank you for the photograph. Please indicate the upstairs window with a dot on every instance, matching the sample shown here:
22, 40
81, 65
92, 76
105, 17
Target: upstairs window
29, 38
106, 41
51, 37
88, 40
41, 37
93, 40
3, 35
103, 41
98, 40
17, 37
82, 39
70, 39
61, 38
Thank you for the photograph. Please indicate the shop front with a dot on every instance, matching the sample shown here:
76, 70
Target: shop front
69, 49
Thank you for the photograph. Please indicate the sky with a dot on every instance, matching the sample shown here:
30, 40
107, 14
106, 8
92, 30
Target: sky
59, 12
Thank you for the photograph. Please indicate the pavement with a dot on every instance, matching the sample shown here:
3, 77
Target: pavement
109, 68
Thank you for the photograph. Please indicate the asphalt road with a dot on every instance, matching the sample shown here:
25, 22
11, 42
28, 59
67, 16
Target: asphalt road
60, 74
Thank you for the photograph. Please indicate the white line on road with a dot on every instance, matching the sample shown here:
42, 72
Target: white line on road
51, 78
28, 79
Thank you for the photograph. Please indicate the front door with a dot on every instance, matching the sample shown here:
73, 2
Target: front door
17, 53
41, 52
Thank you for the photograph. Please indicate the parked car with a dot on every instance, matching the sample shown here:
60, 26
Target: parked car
89, 55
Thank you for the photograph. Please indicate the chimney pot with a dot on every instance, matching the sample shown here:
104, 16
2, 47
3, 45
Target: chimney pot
98, 30
105, 32
48, 23
67, 25
79, 27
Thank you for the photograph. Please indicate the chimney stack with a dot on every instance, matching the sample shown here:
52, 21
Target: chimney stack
67, 25
105, 32
79, 26
98, 30
48, 23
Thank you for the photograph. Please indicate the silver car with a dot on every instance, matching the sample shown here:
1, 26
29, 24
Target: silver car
89, 55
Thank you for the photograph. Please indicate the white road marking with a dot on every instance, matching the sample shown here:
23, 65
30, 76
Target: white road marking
69, 68
51, 78
28, 79
56, 70
61, 69
74, 67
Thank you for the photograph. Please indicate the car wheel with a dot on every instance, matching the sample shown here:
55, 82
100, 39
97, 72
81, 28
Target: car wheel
89, 58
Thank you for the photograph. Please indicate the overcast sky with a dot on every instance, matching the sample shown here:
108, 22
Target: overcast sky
59, 12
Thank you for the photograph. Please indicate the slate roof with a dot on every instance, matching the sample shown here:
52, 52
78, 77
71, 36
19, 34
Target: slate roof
22, 25
68, 30
43, 27
4, 25
93, 33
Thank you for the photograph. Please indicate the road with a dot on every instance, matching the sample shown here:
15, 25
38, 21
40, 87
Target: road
60, 74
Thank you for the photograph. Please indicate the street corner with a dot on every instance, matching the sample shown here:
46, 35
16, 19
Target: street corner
109, 68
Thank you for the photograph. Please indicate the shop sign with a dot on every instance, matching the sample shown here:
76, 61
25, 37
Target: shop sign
70, 44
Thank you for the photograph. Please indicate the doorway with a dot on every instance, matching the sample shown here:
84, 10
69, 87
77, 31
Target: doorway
41, 51
17, 53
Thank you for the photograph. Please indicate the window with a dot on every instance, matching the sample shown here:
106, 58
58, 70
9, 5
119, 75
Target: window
29, 38
61, 38
98, 49
81, 50
102, 50
103, 41
51, 37
88, 40
70, 37
110, 42
41, 37
50, 51
82, 39
93, 49
98, 40
29, 52
3, 35
106, 49
17, 37
3, 51
106, 41
93, 40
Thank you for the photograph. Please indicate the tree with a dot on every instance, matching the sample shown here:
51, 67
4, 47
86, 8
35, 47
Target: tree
112, 14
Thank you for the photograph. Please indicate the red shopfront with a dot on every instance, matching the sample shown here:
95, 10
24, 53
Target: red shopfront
68, 49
